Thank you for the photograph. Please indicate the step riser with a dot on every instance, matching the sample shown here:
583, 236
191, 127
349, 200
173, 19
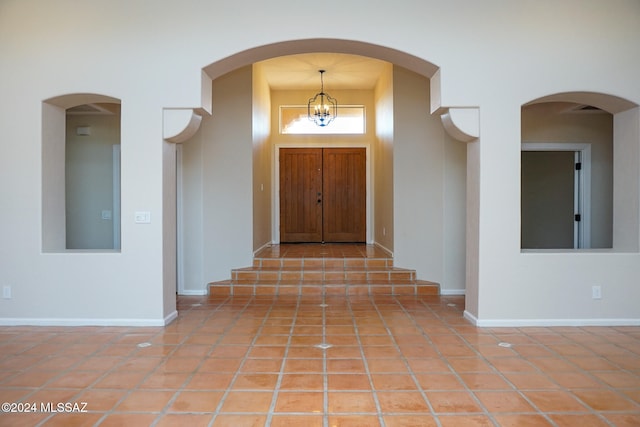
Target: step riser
323, 276
230, 289
261, 276
322, 263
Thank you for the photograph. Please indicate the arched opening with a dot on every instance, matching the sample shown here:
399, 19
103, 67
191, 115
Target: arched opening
81, 173
229, 165
579, 160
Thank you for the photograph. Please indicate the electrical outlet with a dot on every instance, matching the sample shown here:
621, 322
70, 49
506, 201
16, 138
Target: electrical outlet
596, 292
6, 292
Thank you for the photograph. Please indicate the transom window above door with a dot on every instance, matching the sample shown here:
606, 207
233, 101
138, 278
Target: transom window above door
349, 120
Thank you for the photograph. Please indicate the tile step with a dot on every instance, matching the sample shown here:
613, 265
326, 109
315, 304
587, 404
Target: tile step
416, 288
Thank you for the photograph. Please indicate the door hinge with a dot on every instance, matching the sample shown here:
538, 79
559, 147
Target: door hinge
577, 217
579, 166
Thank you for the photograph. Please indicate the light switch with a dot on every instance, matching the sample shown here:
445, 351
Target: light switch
143, 217
106, 214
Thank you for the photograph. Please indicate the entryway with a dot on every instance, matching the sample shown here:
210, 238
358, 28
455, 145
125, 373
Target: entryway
323, 195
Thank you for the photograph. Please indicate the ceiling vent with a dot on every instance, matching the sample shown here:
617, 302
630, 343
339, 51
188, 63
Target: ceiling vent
93, 109
584, 109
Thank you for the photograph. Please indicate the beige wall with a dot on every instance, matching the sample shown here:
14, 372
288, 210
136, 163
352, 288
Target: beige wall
262, 160
383, 165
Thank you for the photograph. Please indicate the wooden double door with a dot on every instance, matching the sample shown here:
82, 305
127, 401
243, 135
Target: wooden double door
323, 195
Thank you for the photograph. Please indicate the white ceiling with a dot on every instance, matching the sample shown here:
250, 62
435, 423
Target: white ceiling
342, 71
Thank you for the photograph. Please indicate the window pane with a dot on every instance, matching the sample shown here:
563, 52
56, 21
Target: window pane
294, 120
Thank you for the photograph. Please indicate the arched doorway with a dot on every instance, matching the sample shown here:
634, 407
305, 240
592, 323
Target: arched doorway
416, 239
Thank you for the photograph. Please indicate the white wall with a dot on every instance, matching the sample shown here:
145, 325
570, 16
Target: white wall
496, 56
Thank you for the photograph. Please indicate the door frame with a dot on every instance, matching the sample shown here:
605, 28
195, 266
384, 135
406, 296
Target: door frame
582, 186
275, 203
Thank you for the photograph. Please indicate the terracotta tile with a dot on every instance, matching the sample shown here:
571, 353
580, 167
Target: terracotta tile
453, 402
439, 382
348, 382
300, 402
220, 365
531, 381
100, 400
393, 382
73, 419
619, 379
574, 380
484, 381
428, 365
351, 402
624, 420
465, 421
303, 366
247, 401
402, 402
354, 421
209, 381
31, 379
524, 420
229, 351
75, 380
346, 366
606, 400
294, 421
18, 419
255, 382
119, 420
512, 364
185, 420
196, 401
145, 401
582, 420
555, 401
503, 401
387, 365
180, 364
470, 364
120, 380
308, 382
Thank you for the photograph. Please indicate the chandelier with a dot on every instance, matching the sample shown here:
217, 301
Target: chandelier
322, 109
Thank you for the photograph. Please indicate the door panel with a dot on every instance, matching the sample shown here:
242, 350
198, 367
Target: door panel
300, 192
547, 206
322, 195
344, 189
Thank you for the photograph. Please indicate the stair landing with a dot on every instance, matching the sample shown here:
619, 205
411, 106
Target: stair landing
323, 269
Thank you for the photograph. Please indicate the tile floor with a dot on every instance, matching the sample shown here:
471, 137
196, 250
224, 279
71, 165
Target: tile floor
388, 361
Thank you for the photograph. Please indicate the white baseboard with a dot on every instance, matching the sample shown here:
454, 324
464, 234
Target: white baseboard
266, 245
523, 323
26, 321
170, 317
446, 292
193, 292
383, 248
